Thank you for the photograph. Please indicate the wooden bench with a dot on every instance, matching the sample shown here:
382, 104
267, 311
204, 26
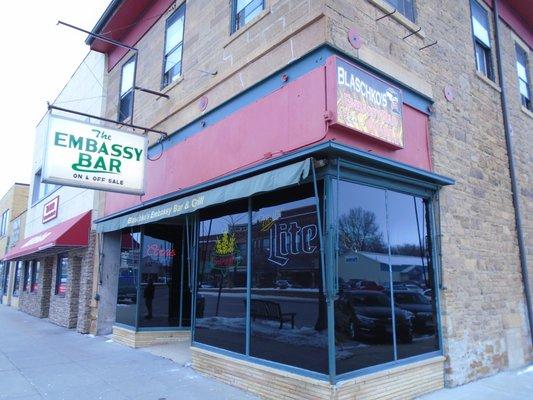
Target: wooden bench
270, 310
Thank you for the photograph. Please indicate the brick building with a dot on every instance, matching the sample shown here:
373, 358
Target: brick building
58, 254
12, 223
341, 207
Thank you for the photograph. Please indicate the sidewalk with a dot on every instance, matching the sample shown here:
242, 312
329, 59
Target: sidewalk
511, 385
39, 360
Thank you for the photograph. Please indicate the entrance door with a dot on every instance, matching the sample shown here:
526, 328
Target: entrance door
164, 291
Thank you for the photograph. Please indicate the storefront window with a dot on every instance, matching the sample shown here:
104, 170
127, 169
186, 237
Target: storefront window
3, 275
35, 274
62, 275
27, 274
127, 278
413, 271
363, 313
16, 284
288, 308
160, 276
221, 291
382, 249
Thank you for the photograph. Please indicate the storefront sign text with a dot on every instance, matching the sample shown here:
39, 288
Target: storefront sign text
368, 104
94, 157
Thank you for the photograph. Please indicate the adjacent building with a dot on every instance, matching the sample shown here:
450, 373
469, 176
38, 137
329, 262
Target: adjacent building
59, 254
12, 224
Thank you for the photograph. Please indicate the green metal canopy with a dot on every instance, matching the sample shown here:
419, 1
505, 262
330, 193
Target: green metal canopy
265, 182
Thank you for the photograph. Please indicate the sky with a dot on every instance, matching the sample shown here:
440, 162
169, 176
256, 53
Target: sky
37, 59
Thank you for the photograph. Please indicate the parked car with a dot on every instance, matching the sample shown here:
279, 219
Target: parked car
366, 314
428, 293
282, 284
368, 285
419, 305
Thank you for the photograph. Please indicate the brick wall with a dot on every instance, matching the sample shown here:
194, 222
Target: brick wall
85, 310
37, 303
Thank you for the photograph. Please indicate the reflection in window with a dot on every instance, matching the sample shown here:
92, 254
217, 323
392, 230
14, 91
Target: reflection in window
173, 46
363, 314
161, 281
61, 275
16, 284
4, 270
35, 273
221, 292
383, 248
127, 278
288, 313
27, 274
413, 271
244, 11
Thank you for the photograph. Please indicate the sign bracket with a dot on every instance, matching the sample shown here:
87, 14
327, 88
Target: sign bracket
52, 107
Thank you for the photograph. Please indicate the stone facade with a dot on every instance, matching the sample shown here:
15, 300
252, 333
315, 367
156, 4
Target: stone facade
483, 309
64, 308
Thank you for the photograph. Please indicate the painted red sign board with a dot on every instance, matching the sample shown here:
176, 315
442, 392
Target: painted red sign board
50, 210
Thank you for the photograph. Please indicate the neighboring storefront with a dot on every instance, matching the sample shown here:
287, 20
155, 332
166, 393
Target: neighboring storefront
320, 263
12, 223
57, 259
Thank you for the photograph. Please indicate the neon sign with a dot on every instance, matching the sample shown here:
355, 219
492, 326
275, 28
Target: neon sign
289, 239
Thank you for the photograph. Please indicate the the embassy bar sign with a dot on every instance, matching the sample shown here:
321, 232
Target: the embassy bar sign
368, 104
94, 157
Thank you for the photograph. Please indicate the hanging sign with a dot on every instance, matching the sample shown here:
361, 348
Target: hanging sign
91, 156
368, 104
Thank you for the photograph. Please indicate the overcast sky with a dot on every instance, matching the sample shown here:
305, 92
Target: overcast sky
37, 59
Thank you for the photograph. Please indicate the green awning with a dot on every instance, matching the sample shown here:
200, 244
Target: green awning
265, 182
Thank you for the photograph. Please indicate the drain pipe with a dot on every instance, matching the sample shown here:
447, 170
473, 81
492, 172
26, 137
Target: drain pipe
514, 183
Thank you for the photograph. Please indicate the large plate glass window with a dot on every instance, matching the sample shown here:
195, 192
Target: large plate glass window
386, 308
16, 284
173, 46
27, 275
288, 307
222, 277
127, 83
130, 245
35, 274
62, 278
5, 274
522, 69
482, 47
405, 7
244, 11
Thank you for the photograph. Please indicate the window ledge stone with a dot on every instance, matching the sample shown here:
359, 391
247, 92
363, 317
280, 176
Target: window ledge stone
172, 85
489, 82
529, 113
399, 17
235, 35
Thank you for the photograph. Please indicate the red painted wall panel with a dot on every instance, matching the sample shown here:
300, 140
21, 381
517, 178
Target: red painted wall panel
287, 119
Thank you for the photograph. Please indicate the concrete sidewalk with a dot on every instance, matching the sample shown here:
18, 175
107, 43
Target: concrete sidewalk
39, 360
510, 385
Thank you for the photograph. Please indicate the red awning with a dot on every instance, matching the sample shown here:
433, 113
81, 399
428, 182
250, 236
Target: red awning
62, 237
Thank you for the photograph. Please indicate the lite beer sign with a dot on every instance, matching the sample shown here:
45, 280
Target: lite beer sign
368, 104
94, 157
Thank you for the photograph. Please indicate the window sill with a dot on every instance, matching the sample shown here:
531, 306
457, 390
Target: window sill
529, 113
245, 28
172, 85
398, 17
489, 82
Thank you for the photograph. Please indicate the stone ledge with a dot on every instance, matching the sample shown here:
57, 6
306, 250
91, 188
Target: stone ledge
399, 17
405, 381
132, 338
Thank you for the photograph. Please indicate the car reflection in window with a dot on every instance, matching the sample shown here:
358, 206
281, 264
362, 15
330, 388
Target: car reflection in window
421, 308
366, 315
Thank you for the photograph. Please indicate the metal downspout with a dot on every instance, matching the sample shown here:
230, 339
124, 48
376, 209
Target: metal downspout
514, 183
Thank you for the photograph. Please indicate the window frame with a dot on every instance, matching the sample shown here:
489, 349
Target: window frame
121, 97
528, 102
488, 72
4, 219
181, 10
413, 9
59, 270
234, 27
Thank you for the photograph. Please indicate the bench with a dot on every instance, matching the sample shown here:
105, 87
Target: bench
270, 310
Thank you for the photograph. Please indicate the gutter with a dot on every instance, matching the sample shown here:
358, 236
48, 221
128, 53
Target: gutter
512, 171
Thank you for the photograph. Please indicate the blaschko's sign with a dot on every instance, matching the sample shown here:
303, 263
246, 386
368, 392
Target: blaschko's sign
368, 104
94, 157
